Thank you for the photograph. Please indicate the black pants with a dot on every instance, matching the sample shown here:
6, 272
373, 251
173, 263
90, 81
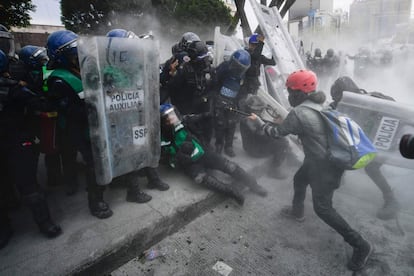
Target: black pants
373, 170
210, 160
18, 168
225, 121
324, 178
71, 141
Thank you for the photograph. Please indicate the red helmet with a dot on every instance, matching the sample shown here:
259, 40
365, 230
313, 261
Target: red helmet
303, 80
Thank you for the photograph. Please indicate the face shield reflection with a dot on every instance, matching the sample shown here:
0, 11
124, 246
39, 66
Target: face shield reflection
170, 118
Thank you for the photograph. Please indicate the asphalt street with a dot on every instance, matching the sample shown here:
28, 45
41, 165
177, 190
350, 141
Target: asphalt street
256, 240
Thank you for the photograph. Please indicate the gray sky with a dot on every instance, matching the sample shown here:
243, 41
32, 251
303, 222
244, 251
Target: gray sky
48, 11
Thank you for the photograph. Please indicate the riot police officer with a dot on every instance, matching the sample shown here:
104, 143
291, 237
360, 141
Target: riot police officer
190, 90
362, 62
19, 154
230, 75
391, 206
178, 58
331, 62
34, 59
66, 91
251, 82
184, 151
134, 194
315, 63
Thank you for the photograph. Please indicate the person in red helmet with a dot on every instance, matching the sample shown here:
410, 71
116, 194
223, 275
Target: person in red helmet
305, 121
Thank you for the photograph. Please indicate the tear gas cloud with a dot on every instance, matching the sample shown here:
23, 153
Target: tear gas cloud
394, 80
167, 33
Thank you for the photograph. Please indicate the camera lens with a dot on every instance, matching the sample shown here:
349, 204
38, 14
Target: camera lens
407, 146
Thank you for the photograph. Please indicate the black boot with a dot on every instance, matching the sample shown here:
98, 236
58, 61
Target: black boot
228, 141
297, 214
247, 179
6, 231
38, 206
227, 189
134, 194
219, 148
362, 251
154, 181
97, 206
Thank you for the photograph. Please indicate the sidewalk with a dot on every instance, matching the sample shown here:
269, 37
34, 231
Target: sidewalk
90, 246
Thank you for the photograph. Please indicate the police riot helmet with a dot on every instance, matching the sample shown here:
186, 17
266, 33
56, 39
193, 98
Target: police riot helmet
166, 108
7, 42
33, 56
254, 38
187, 39
62, 46
121, 33
4, 62
342, 84
239, 62
303, 80
330, 52
318, 52
197, 50
169, 115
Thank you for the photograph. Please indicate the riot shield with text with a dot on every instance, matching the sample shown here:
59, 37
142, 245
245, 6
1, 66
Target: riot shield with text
120, 77
384, 121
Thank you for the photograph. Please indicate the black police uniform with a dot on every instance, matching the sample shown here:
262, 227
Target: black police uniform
251, 82
190, 90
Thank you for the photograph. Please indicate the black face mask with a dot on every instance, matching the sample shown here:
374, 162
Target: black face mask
35, 79
296, 98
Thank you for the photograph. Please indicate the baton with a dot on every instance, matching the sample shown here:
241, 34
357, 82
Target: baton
229, 108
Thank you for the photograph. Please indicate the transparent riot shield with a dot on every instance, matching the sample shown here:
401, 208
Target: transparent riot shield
278, 38
384, 121
282, 47
224, 46
120, 78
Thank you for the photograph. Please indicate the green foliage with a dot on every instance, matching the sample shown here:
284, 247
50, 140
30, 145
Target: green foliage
202, 12
16, 13
84, 16
98, 16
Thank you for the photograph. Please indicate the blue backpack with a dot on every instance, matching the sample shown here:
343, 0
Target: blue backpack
348, 145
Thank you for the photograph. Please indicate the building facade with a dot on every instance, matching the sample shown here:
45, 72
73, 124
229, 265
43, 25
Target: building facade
375, 19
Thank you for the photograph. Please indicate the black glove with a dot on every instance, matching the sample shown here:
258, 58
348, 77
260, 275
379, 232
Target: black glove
184, 153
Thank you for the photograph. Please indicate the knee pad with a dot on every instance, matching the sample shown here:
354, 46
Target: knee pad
199, 178
230, 166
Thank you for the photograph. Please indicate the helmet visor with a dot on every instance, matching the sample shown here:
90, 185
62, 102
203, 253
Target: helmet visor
40, 56
69, 48
170, 118
236, 68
